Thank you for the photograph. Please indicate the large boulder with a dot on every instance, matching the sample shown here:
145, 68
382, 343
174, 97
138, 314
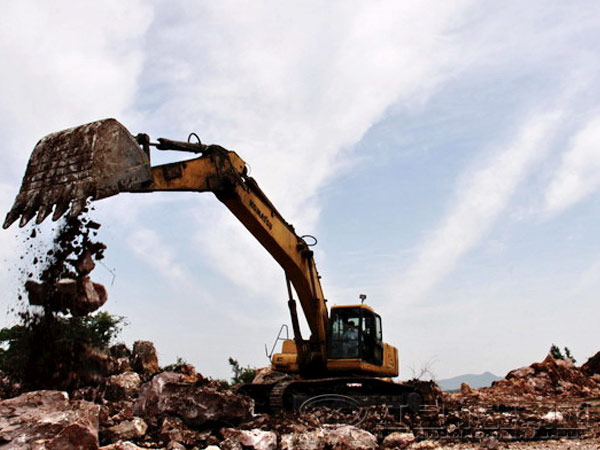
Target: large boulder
195, 403
144, 359
76, 296
50, 420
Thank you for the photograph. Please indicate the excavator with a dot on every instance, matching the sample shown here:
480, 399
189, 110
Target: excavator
343, 362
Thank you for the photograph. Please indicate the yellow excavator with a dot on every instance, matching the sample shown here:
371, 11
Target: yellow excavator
343, 361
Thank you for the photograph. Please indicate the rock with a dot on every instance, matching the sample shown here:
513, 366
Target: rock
490, 443
119, 351
268, 375
125, 446
465, 389
592, 365
121, 410
121, 365
79, 297
122, 386
197, 404
553, 417
339, 438
398, 440
186, 369
351, 438
85, 264
522, 372
426, 445
174, 430
307, 440
250, 439
50, 418
125, 430
143, 359
175, 446
548, 378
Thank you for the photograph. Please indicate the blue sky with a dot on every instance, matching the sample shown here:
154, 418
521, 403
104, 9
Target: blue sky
444, 155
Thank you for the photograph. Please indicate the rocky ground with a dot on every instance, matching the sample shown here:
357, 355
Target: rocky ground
144, 407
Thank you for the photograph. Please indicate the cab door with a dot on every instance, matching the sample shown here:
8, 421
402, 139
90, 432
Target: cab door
372, 338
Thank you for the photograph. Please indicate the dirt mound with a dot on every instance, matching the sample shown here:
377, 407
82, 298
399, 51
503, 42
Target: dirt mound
549, 379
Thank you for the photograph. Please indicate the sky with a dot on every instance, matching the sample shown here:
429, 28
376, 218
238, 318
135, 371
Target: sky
444, 154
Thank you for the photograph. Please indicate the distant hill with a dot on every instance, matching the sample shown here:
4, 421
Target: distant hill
475, 381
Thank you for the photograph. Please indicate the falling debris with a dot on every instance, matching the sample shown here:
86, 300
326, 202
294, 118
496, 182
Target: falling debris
64, 285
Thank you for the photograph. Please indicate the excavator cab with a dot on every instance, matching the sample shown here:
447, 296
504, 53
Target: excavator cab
354, 345
355, 332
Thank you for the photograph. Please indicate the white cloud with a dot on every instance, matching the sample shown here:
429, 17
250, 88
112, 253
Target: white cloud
481, 196
579, 173
65, 63
291, 90
587, 282
9, 246
148, 246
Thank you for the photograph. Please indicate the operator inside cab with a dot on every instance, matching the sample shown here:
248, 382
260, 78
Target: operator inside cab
355, 333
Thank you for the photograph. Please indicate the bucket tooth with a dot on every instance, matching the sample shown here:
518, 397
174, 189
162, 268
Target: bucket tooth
26, 217
44, 211
76, 207
61, 208
11, 218
29, 210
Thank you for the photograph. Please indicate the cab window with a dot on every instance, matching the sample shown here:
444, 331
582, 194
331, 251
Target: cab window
345, 333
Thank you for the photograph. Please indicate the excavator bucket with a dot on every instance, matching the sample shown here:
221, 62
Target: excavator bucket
96, 160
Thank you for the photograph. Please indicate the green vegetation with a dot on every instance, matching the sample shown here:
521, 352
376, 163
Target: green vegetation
241, 375
175, 366
556, 353
57, 352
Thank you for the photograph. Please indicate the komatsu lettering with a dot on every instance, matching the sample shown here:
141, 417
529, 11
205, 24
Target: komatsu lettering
261, 215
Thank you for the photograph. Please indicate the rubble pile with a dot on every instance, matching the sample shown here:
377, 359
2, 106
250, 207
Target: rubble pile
550, 379
145, 407
171, 410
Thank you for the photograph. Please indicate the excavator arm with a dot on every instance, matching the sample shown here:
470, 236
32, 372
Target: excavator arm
102, 159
